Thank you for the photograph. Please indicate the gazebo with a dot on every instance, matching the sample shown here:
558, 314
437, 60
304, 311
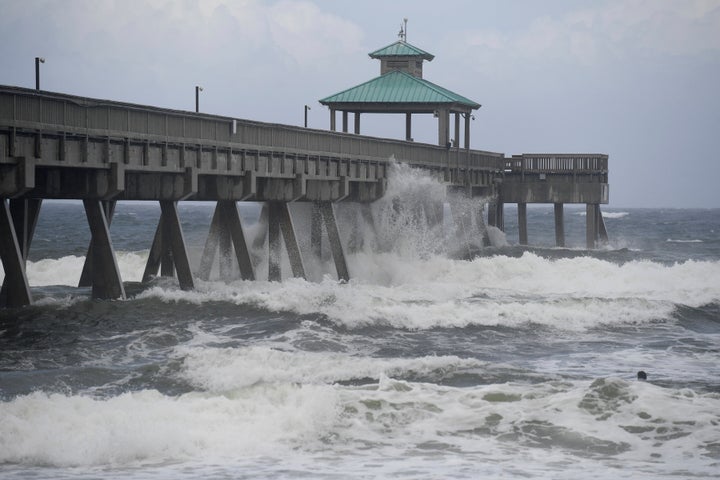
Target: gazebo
400, 88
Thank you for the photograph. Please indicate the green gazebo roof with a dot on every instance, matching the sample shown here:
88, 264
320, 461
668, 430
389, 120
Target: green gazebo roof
401, 49
398, 87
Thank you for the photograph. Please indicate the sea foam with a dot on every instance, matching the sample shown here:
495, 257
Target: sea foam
387, 289
149, 427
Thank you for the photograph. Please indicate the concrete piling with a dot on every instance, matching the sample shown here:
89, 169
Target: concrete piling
522, 223
226, 235
86, 274
15, 289
559, 225
328, 214
106, 280
168, 252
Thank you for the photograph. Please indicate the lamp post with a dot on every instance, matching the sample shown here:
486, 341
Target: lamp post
306, 110
198, 89
38, 61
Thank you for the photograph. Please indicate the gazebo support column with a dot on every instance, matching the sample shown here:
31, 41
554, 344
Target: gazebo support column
408, 127
332, 119
345, 121
443, 127
457, 131
357, 123
467, 130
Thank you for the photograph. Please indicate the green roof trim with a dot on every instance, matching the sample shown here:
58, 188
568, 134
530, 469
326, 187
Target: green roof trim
399, 87
401, 49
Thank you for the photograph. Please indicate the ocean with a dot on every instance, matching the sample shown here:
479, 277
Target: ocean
440, 358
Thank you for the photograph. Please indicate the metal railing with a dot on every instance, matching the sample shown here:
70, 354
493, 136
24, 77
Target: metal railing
567, 163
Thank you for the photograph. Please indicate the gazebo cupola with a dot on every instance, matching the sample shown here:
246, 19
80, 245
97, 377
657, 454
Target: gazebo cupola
403, 57
401, 88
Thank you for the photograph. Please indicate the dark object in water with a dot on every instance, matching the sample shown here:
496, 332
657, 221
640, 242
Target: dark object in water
642, 375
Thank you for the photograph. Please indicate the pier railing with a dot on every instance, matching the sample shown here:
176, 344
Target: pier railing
567, 163
50, 113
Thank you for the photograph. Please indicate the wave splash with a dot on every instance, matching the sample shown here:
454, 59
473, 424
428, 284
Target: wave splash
387, 289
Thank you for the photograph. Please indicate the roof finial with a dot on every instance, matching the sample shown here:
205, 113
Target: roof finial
402, 35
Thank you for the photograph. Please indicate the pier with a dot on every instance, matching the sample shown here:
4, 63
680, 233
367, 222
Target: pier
57, 146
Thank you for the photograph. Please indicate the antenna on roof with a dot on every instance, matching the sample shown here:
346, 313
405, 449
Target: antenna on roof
403, 31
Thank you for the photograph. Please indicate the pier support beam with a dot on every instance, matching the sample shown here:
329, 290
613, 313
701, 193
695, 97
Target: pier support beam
328, 213
106, 280
496, 214
522, 223
316, 230
15, 289
86, 275
25, 213
212, 244
591, 224
226, 233
602, 231
279, 220
274, 246
595, 226
559, 225
168, 252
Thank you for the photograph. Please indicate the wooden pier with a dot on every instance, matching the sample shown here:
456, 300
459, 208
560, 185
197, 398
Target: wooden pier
56, 146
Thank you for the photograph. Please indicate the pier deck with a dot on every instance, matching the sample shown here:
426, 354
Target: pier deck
57, 146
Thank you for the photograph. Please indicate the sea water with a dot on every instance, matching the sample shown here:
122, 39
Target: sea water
440, 358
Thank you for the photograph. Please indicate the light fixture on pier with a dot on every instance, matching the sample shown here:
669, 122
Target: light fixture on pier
38, 61
198, 89
307, 107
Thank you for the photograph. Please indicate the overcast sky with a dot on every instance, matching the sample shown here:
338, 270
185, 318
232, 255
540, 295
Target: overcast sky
636, 79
